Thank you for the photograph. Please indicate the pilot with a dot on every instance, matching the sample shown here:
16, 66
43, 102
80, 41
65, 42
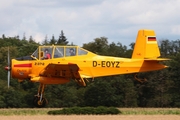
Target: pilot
72, 52
47, 54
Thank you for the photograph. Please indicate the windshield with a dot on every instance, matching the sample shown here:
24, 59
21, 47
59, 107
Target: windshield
35, 54
59, 52
82, 52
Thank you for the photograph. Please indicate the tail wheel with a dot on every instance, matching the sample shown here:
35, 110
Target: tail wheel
141, 80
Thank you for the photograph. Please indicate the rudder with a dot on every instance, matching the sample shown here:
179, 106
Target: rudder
146, 46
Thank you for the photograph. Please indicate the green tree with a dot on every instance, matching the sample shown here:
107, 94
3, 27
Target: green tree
117, 50
100, 94
53, 40
62, 39
173, 73
45, 42
155, 91
99, 46
125, 90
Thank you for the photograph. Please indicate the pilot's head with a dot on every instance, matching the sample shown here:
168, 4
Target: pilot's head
71, 50
46, 50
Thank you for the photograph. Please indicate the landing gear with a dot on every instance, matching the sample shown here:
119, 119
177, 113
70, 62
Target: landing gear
141, 80
39, 100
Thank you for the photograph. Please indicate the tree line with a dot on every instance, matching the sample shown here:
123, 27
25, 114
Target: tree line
160, 90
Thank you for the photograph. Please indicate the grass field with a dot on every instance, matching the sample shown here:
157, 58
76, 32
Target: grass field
126, 114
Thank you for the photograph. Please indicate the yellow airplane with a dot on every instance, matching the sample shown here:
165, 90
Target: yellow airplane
60, 64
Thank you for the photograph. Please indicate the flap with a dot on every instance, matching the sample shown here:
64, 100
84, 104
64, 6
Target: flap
68, 71
61, 70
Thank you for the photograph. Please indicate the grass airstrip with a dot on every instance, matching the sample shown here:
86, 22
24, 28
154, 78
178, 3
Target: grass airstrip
123, 111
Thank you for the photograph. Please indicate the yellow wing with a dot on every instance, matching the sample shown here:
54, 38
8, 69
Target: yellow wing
68, 71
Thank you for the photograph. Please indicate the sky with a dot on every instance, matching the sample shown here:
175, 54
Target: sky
82, 21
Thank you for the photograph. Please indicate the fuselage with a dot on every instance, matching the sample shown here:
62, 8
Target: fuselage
89, 66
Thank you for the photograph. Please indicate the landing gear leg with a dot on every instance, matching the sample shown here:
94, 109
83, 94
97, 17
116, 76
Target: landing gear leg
39, 100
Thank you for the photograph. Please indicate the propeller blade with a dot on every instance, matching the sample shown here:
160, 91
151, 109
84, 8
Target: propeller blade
9, 73
9, 68
8, 58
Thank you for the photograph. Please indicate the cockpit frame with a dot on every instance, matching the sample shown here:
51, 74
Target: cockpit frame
58, 52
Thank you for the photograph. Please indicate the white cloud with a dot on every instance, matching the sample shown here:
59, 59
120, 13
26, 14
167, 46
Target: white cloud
176, 30
82, 21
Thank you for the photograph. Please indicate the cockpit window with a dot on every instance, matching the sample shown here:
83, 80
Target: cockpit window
35, 54
71, 51
59, 52
50, 52
82, 52
47, 52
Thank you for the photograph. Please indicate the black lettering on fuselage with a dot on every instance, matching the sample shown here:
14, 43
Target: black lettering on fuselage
94, 63
108, 64
115, 64
39, 63
103, 63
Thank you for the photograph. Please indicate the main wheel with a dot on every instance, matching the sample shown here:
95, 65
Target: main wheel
38, 103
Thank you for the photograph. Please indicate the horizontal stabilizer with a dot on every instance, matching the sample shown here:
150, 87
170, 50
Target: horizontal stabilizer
157, 59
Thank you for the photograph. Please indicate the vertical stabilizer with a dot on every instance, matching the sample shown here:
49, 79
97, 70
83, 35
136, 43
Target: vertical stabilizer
146, 45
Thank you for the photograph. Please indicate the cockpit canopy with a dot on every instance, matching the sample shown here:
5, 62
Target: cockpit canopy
58, 52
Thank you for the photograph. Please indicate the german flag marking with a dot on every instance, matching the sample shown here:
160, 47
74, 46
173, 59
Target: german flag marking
151, 39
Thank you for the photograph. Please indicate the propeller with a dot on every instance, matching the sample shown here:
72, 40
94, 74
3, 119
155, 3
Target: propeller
8, 68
